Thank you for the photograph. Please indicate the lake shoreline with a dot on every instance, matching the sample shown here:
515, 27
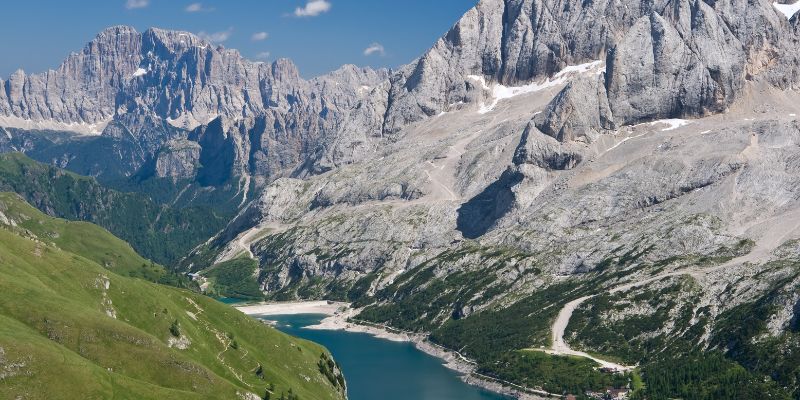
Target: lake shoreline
292, 308
340, 317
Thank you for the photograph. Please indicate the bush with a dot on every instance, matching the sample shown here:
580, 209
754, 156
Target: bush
175, 329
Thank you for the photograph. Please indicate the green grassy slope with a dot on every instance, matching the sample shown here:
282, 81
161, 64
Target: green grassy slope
235, 278
159, 232
70, 328
82, 238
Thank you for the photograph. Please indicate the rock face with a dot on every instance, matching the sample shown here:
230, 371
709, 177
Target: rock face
689, 66
418, 165
160, 85
580, 112
188, 109
664, 59
83, 89
178, 159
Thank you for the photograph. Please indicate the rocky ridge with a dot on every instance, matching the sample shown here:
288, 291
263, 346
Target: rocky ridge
539, 146
665, 59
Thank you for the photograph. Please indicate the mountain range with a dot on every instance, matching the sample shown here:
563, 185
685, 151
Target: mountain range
635, 159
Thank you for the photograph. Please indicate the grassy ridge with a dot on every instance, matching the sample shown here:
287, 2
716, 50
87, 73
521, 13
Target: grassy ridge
83, 238
70, 328
159, 232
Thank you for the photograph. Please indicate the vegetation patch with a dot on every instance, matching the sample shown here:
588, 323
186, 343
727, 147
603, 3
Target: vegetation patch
706, 376
159, 232
554, 374
235, 278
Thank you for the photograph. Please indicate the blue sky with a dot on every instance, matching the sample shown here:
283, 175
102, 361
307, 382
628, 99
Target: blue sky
318, 35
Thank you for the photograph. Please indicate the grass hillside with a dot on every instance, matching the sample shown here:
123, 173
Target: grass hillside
86, 239
71, 327
159, 232
235, 278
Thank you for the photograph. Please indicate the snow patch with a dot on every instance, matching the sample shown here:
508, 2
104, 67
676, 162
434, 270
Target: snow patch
672, 123
188, 121
244, 187
789, 10
502, 92
81, 128
624, 140
139, 72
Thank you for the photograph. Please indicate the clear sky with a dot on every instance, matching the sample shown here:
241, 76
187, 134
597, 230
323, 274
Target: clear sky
318, 35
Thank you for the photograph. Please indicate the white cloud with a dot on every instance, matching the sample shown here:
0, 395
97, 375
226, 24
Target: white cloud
197, 7
313, 8
216, 37
375, 48
264, 55
132, 4
259, 36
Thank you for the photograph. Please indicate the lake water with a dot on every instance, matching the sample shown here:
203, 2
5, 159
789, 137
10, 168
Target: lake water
381, 369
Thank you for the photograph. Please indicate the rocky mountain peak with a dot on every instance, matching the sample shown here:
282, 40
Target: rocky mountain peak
662, 58
512, 42
285, 70
163, 42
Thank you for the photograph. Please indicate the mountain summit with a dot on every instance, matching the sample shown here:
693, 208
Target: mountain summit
664, 59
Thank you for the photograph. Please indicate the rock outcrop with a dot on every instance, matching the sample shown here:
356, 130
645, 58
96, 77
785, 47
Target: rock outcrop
580, 112
688, 66
178, 160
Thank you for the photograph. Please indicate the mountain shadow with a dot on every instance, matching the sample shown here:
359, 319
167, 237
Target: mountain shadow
479, 214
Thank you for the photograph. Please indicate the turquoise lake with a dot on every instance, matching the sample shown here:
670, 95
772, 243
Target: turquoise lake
378, 369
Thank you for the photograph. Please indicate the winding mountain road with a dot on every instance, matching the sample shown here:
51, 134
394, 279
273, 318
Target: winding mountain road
774, 232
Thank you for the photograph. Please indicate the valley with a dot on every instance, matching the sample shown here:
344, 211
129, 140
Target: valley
555, 198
